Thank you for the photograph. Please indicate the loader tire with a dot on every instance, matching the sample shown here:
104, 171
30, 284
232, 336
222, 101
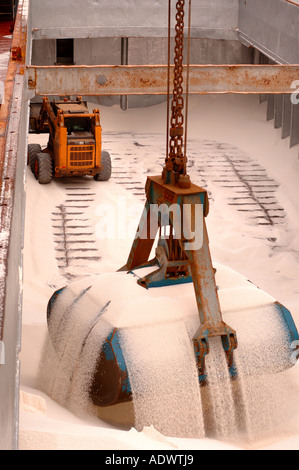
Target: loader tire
33, 151
43, 168
105, 173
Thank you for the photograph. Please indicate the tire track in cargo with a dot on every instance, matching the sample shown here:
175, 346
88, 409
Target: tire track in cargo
132, 156
248, 188
217, 167
231, 178
74, 236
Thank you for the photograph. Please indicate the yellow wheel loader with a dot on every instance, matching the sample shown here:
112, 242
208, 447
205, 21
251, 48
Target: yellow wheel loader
75, 141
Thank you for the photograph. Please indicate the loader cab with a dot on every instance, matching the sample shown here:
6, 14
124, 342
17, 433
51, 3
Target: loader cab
73, 117
75, 140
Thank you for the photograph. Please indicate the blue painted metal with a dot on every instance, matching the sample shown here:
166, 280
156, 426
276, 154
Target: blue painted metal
113, 350
55, 296
288, 321
124, 376
66, 314
52, 301
111, 382
170, 282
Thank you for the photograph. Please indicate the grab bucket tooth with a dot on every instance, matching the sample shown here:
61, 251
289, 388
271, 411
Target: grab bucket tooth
202, 347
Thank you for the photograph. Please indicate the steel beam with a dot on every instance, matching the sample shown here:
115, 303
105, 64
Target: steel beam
152, 79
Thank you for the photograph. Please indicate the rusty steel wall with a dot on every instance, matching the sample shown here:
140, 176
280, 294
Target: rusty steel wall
13, 138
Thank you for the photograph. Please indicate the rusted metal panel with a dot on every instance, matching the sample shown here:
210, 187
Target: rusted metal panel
13, 133
152, 79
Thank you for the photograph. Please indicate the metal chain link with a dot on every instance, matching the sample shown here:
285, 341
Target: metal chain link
176, 144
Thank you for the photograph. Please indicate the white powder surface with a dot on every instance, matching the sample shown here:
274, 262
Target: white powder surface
156, 340
64, 370
222, 404
265, 405
164, 380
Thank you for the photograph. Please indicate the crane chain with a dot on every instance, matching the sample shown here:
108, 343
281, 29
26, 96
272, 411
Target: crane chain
176, 157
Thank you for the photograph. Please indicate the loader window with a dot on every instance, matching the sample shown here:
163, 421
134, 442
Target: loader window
78, 125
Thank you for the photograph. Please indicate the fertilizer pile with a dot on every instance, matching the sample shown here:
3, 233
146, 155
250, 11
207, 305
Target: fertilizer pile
156, 334
164, 387
258, 411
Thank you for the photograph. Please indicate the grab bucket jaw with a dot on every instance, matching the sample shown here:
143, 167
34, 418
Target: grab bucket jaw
110, 383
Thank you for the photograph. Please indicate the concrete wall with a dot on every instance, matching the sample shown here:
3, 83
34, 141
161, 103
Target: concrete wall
98, 25
271, 26
128, 18
102, 51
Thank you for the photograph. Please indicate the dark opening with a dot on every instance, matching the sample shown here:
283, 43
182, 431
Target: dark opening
77, 125
8, 9
65, 51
